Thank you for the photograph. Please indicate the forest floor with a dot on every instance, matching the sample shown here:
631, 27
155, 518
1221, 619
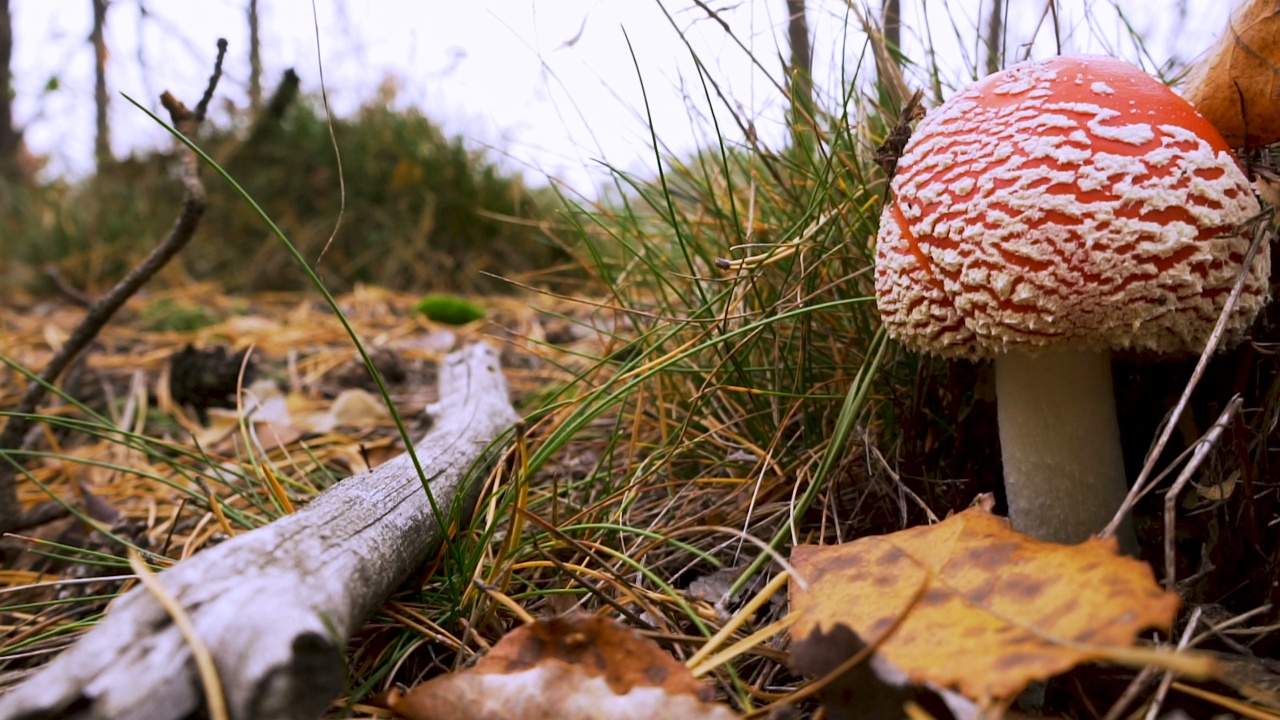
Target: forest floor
170, 367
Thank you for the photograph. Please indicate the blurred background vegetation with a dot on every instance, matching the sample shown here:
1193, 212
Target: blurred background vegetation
423, 211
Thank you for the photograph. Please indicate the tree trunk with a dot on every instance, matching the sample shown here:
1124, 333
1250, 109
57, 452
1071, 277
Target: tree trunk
801, 56
891, 19
10, 138
800, 74
995, 36
255, 60
276, 606
101, 100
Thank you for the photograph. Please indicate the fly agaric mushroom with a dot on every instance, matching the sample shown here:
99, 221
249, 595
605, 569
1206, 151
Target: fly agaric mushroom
1049, 214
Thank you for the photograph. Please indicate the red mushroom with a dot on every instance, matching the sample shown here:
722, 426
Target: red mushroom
1045, 216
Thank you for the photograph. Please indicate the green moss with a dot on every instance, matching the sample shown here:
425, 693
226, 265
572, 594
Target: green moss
449, 309
170, 315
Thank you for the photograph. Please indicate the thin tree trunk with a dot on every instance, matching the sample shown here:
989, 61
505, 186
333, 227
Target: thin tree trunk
10, 138
102, 101
255, 59
800, 73
801, 54
891, 19
995, 36
10, 510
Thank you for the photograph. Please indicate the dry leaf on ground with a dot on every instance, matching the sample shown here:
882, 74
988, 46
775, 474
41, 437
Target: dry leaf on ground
568, 668
987, 610
1236, 85
282, 419
353, 407
265, 405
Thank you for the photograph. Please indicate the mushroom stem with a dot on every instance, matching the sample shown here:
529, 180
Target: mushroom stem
1063, 466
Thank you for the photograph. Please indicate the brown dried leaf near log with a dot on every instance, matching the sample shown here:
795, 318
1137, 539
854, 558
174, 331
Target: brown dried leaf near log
574, 667
1236, 85
276, 606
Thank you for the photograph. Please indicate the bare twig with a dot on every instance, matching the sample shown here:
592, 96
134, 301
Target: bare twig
203, 106
1144, 482
1203, 447
69, 291
193, 207
1162, 690
1136, 685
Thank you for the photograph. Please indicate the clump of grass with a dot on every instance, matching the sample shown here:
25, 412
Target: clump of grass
423, 211
745, 389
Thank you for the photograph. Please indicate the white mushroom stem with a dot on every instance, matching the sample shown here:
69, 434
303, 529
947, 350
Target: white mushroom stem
1060, 441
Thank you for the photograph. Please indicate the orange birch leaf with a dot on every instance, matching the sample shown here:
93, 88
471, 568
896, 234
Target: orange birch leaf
1236, 85
574, 667
987, 610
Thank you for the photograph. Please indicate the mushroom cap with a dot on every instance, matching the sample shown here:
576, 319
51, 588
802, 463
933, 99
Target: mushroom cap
1075, 201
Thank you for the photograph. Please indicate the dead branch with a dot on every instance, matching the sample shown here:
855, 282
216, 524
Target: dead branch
267, 122
193, 207
277, 605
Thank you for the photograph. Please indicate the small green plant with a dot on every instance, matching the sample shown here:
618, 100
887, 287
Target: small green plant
172, 315
449, 309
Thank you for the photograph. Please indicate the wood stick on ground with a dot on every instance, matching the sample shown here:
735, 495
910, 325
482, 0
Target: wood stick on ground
277, 605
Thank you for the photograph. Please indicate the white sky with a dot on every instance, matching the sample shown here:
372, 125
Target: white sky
550, 85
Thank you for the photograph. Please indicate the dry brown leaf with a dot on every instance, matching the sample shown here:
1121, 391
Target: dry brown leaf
352, 408
281, 419
268, 409
568, 668
1212, 493
1236, 85
988, 610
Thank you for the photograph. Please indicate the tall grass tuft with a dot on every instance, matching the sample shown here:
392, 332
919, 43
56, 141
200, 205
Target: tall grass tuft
746, 398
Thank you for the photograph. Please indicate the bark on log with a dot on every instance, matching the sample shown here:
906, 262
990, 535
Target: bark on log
277, 605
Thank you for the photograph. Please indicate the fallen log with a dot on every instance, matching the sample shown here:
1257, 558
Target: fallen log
277, 605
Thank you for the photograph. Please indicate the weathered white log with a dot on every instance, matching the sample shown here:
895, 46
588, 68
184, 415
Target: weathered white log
277, 605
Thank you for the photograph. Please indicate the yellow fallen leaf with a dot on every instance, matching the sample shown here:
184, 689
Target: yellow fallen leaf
987, 610
354, 406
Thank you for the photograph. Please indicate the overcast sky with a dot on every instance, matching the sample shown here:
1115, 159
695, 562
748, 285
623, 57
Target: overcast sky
550, 85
